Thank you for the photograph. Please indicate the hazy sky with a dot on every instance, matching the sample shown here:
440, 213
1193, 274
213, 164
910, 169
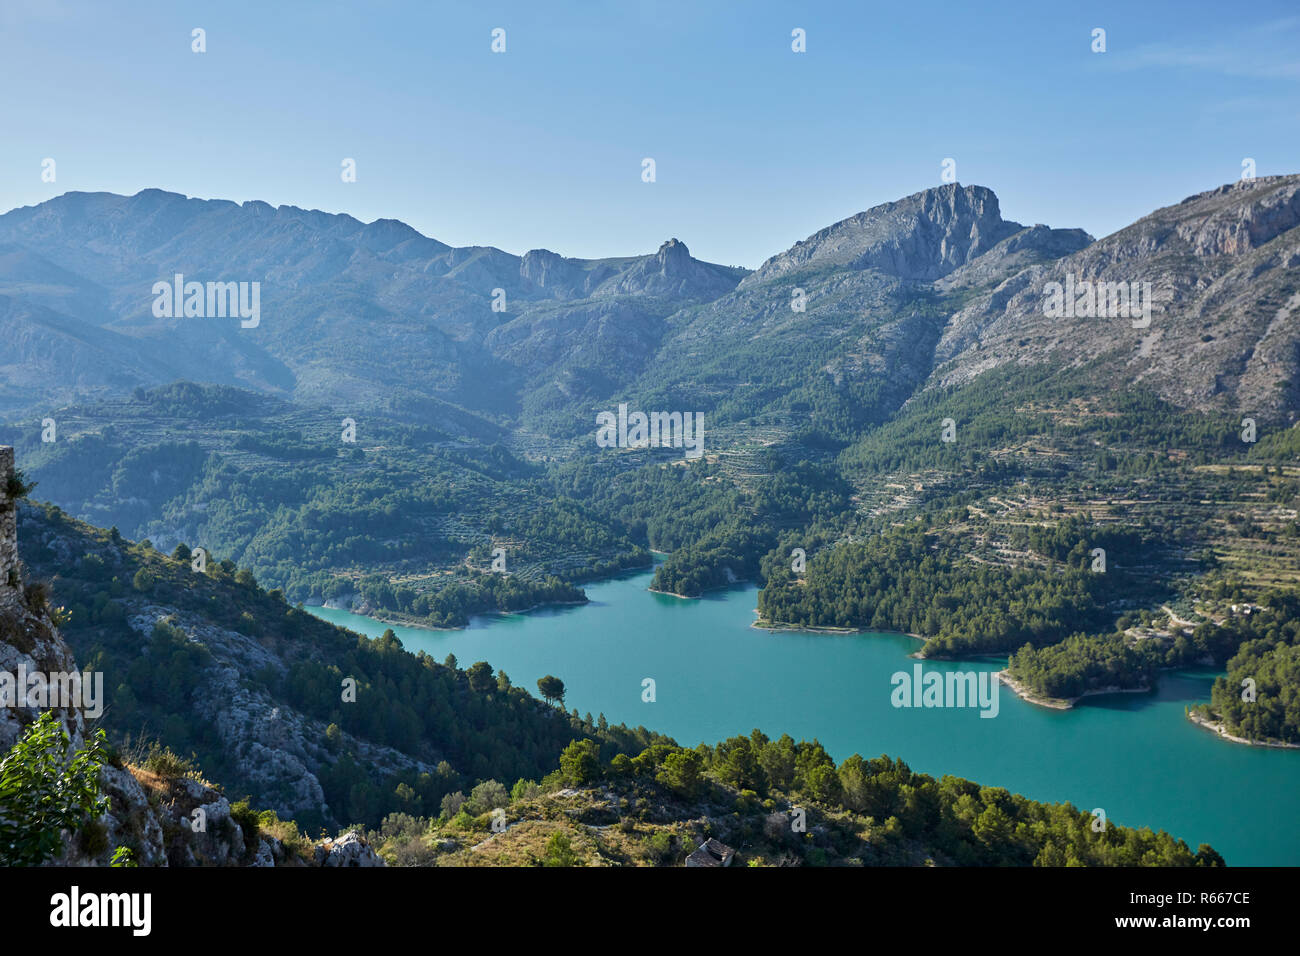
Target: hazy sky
755, 146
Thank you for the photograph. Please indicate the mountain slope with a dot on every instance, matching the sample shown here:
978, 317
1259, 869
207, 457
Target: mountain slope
339, 298
1224, 271
841, 328
835, 333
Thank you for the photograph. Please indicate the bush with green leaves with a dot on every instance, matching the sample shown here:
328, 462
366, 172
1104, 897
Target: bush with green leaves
43, 793
486, 797
559, 852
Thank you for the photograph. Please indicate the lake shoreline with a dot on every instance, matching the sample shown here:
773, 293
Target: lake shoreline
684, 597
762, 625
697, 597
1063, 703
722, 680
1222, 732
421, 625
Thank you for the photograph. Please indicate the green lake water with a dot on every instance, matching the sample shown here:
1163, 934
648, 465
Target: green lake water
1134, 755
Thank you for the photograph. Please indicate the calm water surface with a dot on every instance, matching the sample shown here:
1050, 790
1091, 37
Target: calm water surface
1135, 756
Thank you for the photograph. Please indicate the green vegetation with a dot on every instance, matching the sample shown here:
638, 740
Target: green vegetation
471, 592
1257, 697
469, 725
1081, 664
900, 581
874, 812
45, 791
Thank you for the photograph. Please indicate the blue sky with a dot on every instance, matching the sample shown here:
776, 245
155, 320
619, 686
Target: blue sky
756, 147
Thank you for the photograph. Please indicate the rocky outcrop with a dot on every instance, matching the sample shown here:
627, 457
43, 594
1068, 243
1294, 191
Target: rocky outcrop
1028, 247
350, 849
8, 532
672, 272
1224, 331
279, 750
923, 237
560, 277
176, 819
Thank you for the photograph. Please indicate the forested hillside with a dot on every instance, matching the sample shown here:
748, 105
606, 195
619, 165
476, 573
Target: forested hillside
210, 663
895, 436
781, 803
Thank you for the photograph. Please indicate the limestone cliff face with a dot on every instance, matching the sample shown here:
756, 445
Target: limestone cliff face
922, 237
1223, 269
8, 531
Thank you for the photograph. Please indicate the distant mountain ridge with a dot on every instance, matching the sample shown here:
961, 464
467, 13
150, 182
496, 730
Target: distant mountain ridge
932, 289
1224, 267
331, 282
923, 236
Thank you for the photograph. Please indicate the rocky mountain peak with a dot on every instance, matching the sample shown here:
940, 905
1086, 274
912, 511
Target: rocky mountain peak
672, 271
673, 254
921, 237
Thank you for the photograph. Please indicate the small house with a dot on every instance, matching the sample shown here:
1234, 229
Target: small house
711, 853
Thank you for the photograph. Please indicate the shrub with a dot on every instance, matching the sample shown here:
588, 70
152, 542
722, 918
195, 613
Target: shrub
42, 793
660, 846
559, 852
452, 803
165, 762
487, 796
250, 823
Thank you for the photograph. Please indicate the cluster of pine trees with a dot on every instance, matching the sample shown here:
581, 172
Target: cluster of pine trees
1259, 696
902, 580
874, 810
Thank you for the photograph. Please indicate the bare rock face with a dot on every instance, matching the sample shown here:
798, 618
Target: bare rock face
1224, 330
671, 272
1234, 219
201, 829
280, 750
351, 849
922, 237
30, 644
9, 571
1028, 247
563, 278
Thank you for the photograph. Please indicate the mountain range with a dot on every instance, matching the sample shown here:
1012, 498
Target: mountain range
932, 290
472, 377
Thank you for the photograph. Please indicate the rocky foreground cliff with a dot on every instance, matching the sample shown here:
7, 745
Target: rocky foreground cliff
160, 806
